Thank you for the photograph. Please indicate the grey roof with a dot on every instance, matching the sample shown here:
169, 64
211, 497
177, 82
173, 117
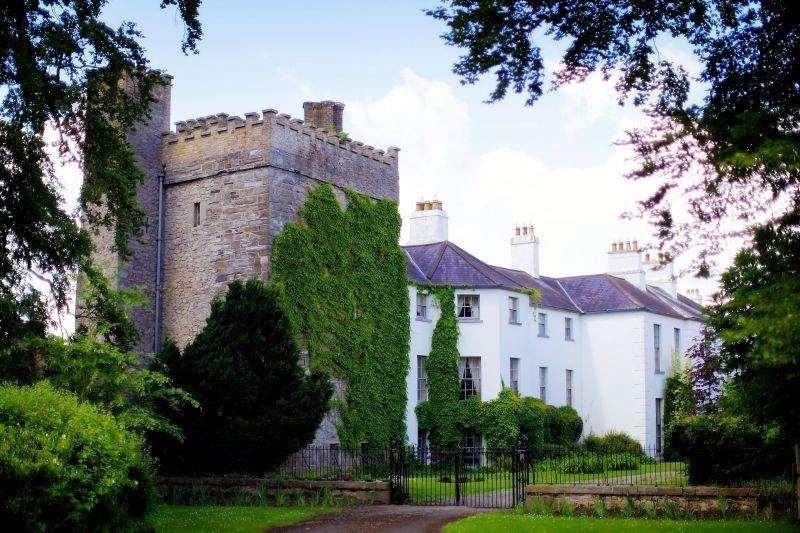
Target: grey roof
444, 263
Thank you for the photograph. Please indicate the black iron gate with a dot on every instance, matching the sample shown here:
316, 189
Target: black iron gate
472, 477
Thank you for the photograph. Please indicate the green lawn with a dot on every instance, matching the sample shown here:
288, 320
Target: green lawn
506, 521
430, 489
229, 519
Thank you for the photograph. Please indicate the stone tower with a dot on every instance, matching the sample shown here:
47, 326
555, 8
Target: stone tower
229, 186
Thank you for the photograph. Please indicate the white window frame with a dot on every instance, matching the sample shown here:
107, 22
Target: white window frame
569, 334
422, 378
469, 306
542, 320
513, 310
676, 339
422, 306
513, 373
569, 376
469, 383
659, 424
657, 348
543, 383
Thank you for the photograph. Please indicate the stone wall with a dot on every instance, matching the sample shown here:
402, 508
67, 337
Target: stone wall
227, 490
652, 501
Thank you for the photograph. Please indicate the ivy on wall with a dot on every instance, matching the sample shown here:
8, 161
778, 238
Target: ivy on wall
501, 421
345, 282
440, 414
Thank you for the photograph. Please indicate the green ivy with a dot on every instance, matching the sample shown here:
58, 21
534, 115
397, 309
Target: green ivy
440, 414
345, 281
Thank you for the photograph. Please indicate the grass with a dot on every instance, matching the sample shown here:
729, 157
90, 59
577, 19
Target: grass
509, 521
429, 489
229, 519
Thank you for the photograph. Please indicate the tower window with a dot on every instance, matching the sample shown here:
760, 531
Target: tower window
196, 214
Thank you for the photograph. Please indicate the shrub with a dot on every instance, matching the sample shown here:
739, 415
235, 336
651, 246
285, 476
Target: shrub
105, 375
499, 423
258, 405
591, 463
65, 465
564, 425
532, 422
611, 443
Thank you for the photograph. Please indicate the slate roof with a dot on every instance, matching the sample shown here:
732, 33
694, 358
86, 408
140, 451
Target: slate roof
444, 263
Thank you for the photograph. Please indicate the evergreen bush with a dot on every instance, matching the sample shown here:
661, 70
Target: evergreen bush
612, 443
257, 405
66, 465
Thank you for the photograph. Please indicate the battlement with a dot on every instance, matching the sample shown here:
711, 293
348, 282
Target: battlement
222, 124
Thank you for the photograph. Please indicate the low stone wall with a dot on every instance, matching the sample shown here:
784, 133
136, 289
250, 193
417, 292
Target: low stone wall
652, 501
225, 490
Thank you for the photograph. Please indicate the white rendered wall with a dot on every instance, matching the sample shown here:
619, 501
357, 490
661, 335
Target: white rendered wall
614, 373
654, 381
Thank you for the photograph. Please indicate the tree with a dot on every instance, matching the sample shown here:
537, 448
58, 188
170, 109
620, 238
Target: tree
735, 155
758, 323
257, 404
63, 68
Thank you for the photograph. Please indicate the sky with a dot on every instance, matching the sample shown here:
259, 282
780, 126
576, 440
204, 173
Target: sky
557, 164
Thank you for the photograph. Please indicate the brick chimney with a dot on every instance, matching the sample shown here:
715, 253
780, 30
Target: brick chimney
325, 114
428, 223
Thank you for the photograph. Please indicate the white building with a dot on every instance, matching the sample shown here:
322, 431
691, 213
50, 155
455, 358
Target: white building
602, 343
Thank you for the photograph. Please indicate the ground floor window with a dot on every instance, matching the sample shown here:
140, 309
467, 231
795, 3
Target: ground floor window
471, 448
569, 387
659, 409
469, 370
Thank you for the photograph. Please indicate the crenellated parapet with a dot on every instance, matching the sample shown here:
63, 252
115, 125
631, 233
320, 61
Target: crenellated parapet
221, 126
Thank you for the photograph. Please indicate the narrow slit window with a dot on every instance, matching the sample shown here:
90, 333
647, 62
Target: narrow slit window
196, 214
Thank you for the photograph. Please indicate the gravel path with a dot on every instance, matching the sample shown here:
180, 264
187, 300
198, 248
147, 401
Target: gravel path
393, 518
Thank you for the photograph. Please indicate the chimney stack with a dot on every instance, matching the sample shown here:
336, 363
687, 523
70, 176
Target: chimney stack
428, 223
525, 250
326, 114
625, 261
660, 272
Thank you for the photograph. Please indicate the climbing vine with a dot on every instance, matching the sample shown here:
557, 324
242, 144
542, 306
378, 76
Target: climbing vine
440, 414
345, 283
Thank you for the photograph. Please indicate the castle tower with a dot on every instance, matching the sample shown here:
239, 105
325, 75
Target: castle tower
139, 271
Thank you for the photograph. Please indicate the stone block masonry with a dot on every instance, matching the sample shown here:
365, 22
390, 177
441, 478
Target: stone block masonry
230, 186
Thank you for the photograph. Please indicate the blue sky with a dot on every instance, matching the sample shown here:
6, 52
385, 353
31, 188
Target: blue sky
554, 164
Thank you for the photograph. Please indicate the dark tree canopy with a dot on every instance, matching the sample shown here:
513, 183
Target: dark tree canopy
257, 405
734, 156
63, 68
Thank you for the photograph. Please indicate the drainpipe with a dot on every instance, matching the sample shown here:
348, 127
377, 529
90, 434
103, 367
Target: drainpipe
159, 254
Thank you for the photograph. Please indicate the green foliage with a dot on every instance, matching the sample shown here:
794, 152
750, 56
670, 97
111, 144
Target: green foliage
758, 326
532, 419
613, 442
257, 404
564, 425
724, 448
591, 463
500, 420
65, 465
346, 288
739, 133
441, 412
102, 374
64, 67
678, 401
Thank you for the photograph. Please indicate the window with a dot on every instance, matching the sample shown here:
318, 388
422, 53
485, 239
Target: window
469, 306
422, 444
658, 426
657, 346
471, 444
422, 378
569, 387
513, 310
469, 370
676, 337
196, 214
568, 329
514, 373
543, 383
542, 325
422, 305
